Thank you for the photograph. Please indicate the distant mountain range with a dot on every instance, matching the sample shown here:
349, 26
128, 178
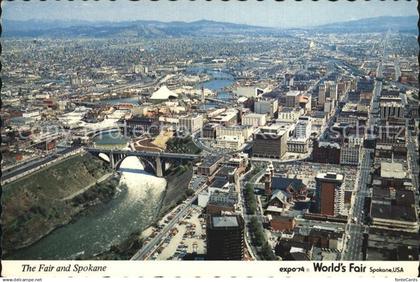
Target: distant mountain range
378, 24
147, 29
156, 29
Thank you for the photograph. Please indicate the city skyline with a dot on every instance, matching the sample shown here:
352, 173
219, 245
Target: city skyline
269, 13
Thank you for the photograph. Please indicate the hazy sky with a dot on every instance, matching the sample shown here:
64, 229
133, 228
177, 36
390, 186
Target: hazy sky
266, 13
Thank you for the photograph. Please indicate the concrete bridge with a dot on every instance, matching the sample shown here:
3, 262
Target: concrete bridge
154, 162
215, 100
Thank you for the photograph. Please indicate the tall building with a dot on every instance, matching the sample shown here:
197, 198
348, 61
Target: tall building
240, 131
270, 142
333, 91
225, 237
192, 123
329, 193
269, 106
351, 150
254, 120
292, 98
322, 94
326, 152
303, 128
391, 108
328, 105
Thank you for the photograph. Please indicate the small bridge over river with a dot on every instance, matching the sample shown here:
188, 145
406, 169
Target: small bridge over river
154, 162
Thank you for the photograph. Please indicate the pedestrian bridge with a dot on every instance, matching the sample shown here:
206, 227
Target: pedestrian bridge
154, 162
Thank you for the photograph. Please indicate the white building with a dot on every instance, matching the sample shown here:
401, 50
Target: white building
248, 91
35, 115
289, 115
224, 117
328, 105
322, 94
349, 154
303, 128
254, 120
230, 142
269, 106
240, 131
333, 90
163, 94
192, 123
297, 145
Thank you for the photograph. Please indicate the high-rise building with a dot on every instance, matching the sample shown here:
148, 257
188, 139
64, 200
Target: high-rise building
391, 108
322, 94
328, 105
254, 120
269, 106
225, 237
292, 98
303, 128
192, 123
270, 142
240, 131
329, 193
326, 152
333, 93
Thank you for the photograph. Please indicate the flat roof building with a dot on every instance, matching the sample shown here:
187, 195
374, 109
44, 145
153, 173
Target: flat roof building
225, 237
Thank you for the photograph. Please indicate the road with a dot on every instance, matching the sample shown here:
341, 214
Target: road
246, 212
413, 162
33, 165
355, 228
153, 244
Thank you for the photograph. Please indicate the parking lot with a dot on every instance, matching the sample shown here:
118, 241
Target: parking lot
188, 236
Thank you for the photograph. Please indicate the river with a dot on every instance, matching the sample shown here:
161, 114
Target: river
219, 80
133, 208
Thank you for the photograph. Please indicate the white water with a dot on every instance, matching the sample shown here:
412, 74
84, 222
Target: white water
137, 180
132, 209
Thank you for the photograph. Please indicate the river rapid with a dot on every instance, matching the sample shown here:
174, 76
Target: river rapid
133, 208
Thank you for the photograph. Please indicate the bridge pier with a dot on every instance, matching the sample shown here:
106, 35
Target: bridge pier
111, 160
154, 162
159, 169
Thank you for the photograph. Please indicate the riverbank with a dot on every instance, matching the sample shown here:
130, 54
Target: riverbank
175, 192
36, 205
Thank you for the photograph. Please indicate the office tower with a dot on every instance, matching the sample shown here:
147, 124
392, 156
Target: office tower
329, 193
225, 237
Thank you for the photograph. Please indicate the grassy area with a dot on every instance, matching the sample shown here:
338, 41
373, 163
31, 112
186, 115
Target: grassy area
177, 187
182, 145
260, 240
250, 198
61, 179
33, 206
162, 139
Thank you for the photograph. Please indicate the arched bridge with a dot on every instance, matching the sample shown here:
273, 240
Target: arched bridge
154, 161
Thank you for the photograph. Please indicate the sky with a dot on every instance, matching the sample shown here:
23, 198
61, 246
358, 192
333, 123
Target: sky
288, 13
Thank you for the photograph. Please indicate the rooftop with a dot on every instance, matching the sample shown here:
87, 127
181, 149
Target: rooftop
330, 176
225, 221
392, 170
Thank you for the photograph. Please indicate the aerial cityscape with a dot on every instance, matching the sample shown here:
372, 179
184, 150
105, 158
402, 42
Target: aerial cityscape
209, 138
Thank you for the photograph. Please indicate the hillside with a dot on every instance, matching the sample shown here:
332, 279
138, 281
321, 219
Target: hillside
36, 204
377, 24
145, 29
